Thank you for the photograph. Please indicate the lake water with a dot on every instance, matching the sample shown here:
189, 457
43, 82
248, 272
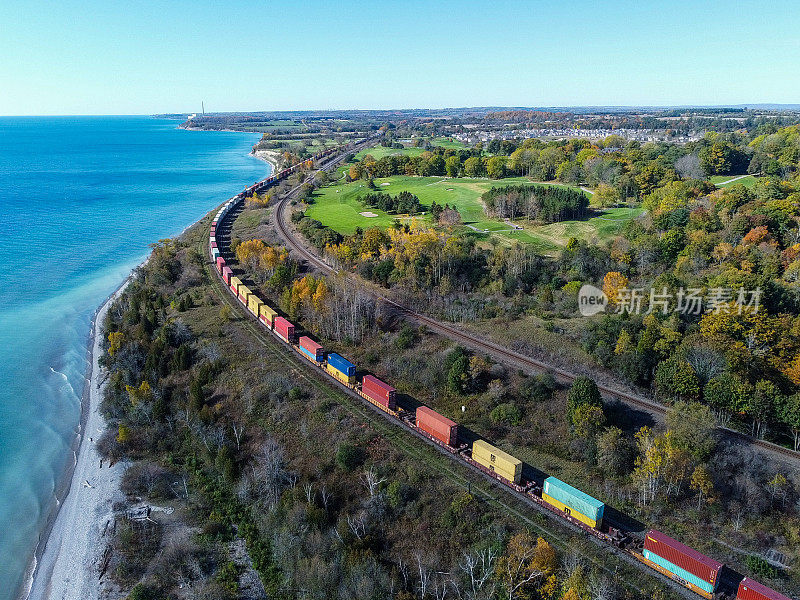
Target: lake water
82, 198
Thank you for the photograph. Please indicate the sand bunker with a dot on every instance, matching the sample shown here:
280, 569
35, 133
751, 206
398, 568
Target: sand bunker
368, 214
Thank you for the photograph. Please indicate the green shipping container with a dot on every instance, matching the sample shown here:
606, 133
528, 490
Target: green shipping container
573, 498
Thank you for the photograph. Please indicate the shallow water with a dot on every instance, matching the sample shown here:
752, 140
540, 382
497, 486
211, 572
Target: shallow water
81, 200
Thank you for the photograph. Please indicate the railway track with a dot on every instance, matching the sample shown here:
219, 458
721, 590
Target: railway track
493, 349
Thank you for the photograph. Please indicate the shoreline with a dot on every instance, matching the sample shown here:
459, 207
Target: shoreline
46, 556
48, 559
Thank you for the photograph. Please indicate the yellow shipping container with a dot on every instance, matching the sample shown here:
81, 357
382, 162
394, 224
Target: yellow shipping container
235, 283
254, 303
570, 511
495, 459
267, 315
339, 375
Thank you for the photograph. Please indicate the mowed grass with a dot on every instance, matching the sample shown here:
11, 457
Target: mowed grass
338, 207
747, 181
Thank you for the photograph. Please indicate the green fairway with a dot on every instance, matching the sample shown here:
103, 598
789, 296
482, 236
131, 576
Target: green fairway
338, 207
747, 181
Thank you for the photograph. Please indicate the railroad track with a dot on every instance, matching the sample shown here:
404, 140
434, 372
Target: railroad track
491, 348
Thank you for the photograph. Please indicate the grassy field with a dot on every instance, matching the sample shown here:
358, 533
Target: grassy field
378, 152
747, 181
338, 207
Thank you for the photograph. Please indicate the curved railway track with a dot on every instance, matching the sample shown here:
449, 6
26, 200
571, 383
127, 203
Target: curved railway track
493, 349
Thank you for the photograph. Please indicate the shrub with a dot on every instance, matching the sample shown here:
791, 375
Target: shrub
506, 413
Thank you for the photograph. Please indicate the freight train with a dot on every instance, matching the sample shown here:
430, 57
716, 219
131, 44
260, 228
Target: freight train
678, 562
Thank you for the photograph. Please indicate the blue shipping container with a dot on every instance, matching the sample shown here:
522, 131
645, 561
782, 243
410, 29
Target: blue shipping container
311, 355
341, 364
682, 573
583, 503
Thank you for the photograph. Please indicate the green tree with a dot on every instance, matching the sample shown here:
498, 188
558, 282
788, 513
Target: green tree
584, 391
496, 167
452, 166
473, 167
694, 428
790, 415
676, 379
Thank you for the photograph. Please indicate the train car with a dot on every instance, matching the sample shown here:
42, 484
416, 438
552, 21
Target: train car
234, 284
379, 392
497, 461
752, 590
284, 329
220, 263
244, 294
215, 254
341, 369
311, 349
685, 565
267, 316
573, 502
437, 426
254, 304
227, 273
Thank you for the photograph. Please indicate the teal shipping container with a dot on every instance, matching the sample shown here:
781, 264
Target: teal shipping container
682, 573
568, 495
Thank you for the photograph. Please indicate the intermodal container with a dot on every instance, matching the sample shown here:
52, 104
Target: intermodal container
436, 425
311, 349
254, 304
235, 282
572, 501
220, 263
215, 254
496, 460
227, 273
244, 294
685, 562
213, 240
377, 390
213, 232
752, 590
267, 315
341, 368
284, 328
213, 244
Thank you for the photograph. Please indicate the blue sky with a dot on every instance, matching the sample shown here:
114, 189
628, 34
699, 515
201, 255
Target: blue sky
117, 57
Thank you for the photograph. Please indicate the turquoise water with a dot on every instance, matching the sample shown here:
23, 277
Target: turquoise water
81, 199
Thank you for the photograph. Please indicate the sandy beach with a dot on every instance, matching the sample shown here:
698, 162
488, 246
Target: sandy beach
67, 564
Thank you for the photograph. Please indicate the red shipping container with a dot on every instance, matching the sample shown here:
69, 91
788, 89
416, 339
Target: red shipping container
227, 274
682, 556
313, 347
284, 328
220, 264
381, 392
213, 244
432, 423
752, 590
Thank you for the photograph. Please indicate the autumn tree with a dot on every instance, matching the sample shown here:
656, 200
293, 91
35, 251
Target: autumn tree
115, 339
612, 283
521, 566
702, 483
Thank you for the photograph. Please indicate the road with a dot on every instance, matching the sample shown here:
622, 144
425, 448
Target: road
498, 352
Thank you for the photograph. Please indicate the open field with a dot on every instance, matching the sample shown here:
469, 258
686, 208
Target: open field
747, 181
338, 207
378, 152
